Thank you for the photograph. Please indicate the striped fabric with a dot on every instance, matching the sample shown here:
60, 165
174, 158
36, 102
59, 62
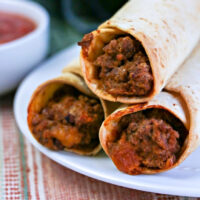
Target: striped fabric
27, 174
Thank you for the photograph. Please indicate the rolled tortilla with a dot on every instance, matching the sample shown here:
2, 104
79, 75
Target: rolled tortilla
67, 137
166, 32
182, 100
75, 67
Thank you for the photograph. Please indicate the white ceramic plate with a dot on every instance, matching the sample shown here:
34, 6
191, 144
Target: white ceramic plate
183, 180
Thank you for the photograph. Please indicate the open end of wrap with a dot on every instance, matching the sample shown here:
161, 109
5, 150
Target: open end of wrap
144, 141
61, 117
116, 65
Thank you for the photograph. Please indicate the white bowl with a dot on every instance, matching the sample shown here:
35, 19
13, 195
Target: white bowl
19, 56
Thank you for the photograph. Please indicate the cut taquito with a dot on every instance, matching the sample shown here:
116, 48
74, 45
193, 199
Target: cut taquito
130, 57
64, 114
158, 135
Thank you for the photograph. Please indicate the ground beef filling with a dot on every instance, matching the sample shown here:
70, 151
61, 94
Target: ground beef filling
124, 68
69, 120
146, 139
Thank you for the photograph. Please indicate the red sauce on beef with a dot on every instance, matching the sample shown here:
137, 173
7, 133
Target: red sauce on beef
150, 139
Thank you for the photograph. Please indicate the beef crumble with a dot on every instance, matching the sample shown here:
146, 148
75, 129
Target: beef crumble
147, 139
69, 120
85, 43
123, 68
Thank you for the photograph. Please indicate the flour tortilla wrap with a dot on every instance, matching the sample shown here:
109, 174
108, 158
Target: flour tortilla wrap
167, 30
75, 67
181, 98
45, 92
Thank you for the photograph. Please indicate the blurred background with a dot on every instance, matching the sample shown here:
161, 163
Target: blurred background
70, 19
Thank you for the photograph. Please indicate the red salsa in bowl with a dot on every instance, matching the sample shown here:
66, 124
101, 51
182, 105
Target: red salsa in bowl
14, 26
